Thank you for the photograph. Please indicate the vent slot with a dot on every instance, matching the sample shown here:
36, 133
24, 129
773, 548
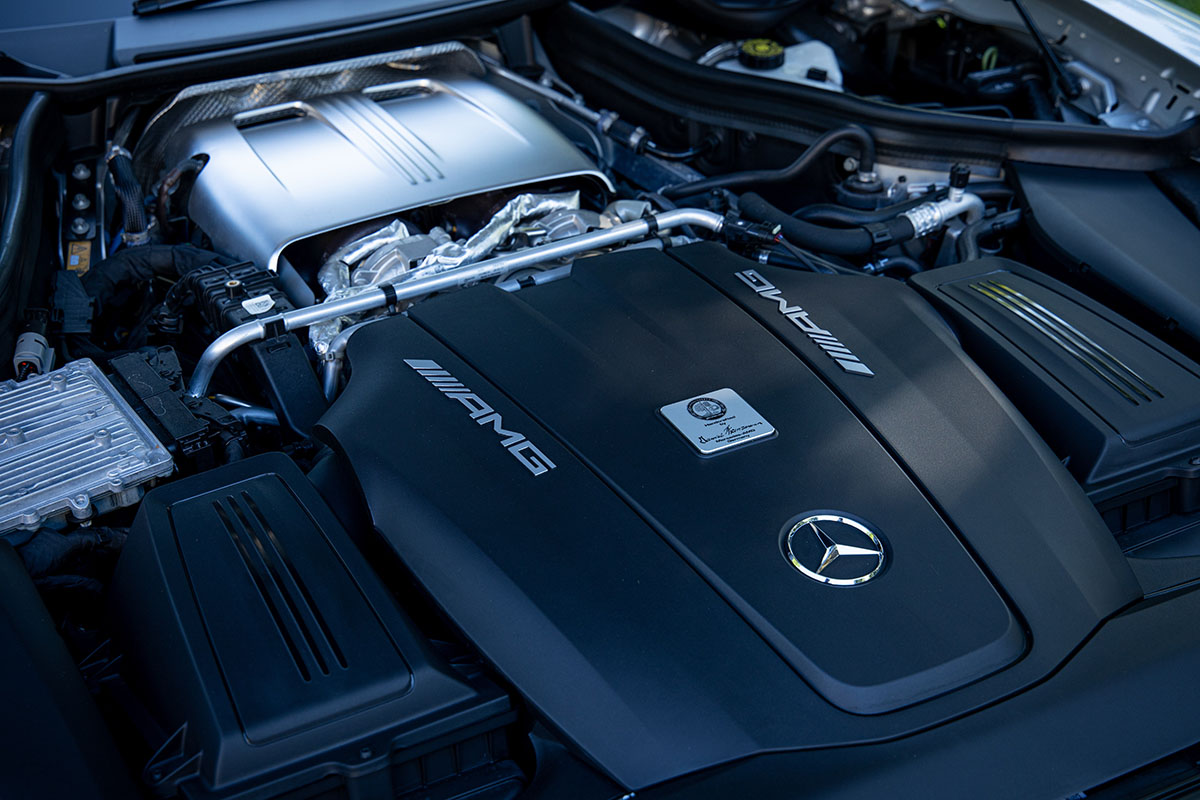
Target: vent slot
301, 586
1099, 361
262, 116
304, 631
397, 91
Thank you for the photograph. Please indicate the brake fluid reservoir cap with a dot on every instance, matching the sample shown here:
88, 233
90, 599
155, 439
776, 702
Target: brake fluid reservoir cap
761, 54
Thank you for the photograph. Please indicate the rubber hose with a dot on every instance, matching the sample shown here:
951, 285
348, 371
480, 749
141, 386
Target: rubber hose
831, 214
14, 231
968, 239
838, 241
906, 263
809, 157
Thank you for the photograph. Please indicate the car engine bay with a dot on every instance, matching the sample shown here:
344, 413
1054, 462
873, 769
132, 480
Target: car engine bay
656, 400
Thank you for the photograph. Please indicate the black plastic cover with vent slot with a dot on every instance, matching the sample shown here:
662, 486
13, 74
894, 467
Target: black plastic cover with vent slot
1120, 404
274, 660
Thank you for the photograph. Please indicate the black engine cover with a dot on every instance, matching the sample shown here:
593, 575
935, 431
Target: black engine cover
640, 594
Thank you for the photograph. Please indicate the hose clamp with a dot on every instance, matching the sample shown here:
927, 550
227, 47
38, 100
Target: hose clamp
117, 150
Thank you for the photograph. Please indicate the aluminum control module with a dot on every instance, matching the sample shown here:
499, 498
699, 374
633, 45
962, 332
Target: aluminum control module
71, 446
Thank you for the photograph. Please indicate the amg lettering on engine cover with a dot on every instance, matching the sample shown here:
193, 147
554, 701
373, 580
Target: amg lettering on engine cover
515, 443
799, 317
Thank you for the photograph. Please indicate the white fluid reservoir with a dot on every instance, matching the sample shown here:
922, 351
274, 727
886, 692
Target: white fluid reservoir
810, 63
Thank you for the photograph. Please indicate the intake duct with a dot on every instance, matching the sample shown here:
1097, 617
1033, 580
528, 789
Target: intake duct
274, 660
1118, 405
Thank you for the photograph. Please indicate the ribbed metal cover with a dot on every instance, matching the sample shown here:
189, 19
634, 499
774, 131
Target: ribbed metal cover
280, 173
71, 445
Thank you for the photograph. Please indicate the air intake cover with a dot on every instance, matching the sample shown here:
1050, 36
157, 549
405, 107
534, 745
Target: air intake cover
1121, 403
256, 633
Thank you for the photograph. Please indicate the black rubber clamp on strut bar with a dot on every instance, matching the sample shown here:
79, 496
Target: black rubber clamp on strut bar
651, 222
389, 297
274, 327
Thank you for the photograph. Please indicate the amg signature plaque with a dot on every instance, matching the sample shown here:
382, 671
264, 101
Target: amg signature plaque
717, 421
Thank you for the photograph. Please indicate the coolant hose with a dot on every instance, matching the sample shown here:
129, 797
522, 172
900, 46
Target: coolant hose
837, 241
830, 214
866, 164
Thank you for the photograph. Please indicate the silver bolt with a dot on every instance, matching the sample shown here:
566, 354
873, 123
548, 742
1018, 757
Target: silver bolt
80, 201
850, 164
81, 172
79, 226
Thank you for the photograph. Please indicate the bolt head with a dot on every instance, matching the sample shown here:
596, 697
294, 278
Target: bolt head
81, 172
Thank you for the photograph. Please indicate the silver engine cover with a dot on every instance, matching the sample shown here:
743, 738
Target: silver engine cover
290, 170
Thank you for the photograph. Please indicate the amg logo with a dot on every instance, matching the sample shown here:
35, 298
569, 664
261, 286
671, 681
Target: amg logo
515, 443
799, 317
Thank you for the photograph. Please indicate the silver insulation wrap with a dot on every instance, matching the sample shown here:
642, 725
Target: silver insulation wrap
392, 254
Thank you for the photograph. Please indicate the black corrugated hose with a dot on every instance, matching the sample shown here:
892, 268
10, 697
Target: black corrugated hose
130, 192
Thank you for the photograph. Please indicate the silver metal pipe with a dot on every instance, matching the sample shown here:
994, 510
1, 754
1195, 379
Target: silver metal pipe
929, 217
722, 52
230, 400
331, 363
458, 277
256, 414
331, 370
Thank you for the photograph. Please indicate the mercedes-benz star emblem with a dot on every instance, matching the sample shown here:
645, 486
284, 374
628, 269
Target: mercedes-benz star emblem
835, 550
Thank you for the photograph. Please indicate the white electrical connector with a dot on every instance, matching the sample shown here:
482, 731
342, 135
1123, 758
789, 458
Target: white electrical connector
32, 355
